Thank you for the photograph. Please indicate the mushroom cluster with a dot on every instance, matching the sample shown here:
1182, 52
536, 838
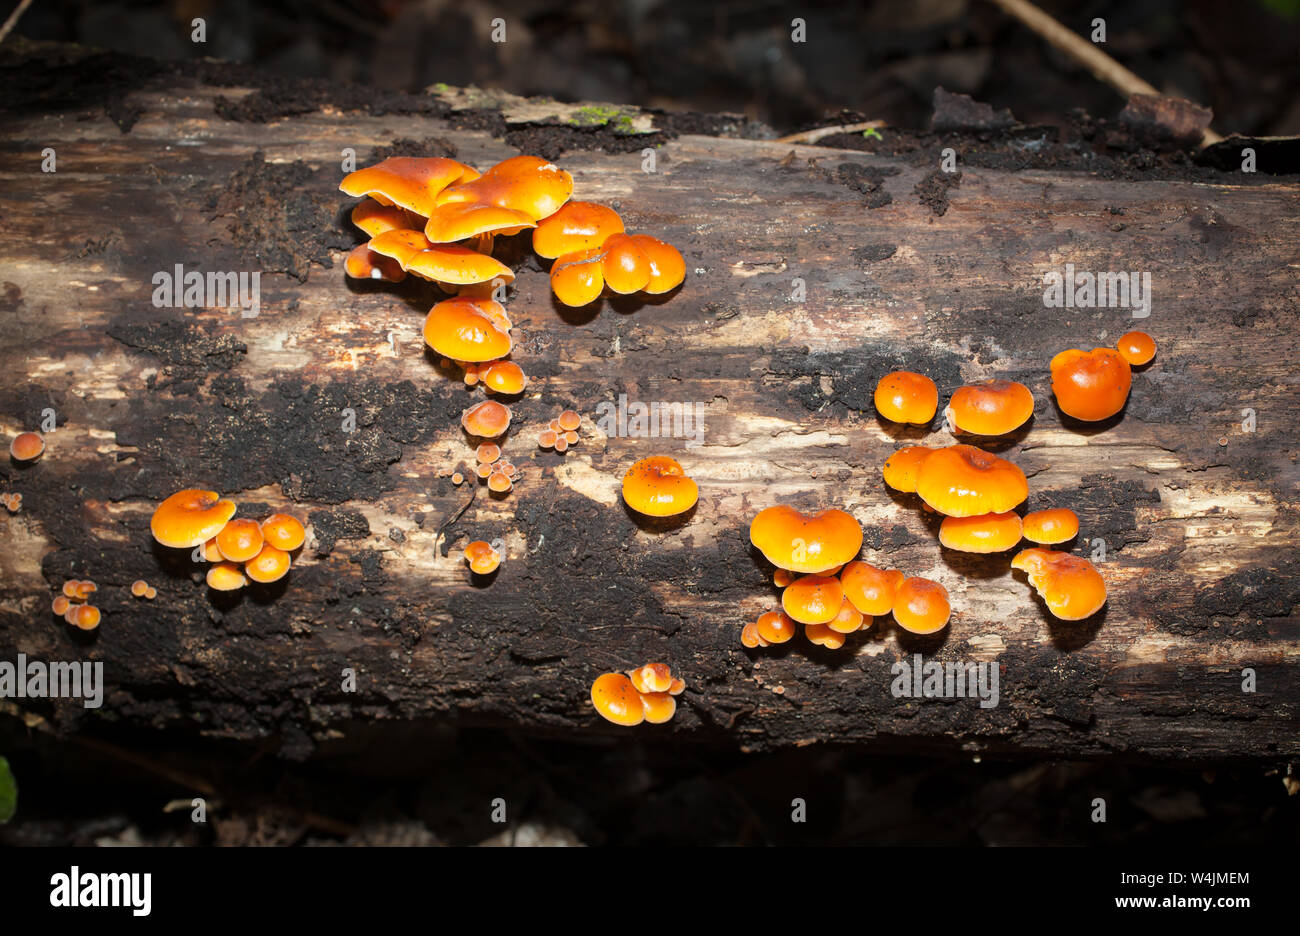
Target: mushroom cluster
74, 604
561, 432
12, 500
827, 589
647, 693
239, 550
142, 589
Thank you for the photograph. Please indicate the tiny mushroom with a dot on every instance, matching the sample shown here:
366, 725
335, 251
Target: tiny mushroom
617, 700
1071, 586
1050, 527
749, 636
504, 377
806, 544
190, 518
1136, 347
658, 487
659, 707
26, 446
226, 576
579, 225
848, 620
60, 605
906, 397
921, 606
240, 540
653, 677
985, 533
775, 627
822, 635
486, 420
871, 590
269, 565
964, 481
86, 617
813, 599
1091, 385
991, 408
483, 557
283, 531
139, 588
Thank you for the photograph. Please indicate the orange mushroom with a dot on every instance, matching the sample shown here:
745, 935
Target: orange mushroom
749, 636
847, 620
139, 588
963, 481
269, 565
547, 438
528, 184
921, 606
901, 467
1136, 347
871, 590
984, 533
60, 605
659, 707
617, 700
483, 557
376, 219
457, 221
783, 577
283, 531
822, 635
667, 267
577, 278
364, 263
86, 617
991, 408
1049, 527
1071, 586
504, 377
813, 599
84, 590
500, 483
240, 540
466, 329
226, 576
486, 420
569, 420
906, 397
410, 182
26, 446
487, 453
658, 487
457, 266
1091, 385
190, 518
151, 594
775, 627
806, 544
653, 677
579, 225
400, 245
625, 268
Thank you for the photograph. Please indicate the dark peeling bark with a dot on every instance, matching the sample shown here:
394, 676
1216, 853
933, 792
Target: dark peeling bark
1199, 517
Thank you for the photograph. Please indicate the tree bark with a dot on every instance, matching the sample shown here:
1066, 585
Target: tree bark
903, 269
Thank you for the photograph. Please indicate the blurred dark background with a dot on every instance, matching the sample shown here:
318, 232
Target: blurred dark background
878, 59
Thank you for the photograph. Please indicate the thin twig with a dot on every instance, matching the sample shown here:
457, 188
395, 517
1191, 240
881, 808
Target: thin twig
12, 21
812, 136
1086, 53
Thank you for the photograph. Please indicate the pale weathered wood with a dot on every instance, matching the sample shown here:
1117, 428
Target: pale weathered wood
1199, 517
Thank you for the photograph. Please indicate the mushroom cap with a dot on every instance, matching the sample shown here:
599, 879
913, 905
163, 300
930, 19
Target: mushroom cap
240, 540
226, 576
483, 559
578, 277
1049, 527
528, 184
901, 467
410, 182
907, 397
375, 219
658, 487
667, 267
847, 620
210, 551
1136, 347
782, 577
653, 677
617, 700
625, 268
364, 263
190, 518
458, 266
26, 446
986, 533
568, 420
964, 481
269, 565
659, 707
775, 627
504, 377
1071, 586
806, 544
578, 225
813, 599
85, 617
460, 220
749, 636
283, 531
400, 245
60, 605
466, 329
871, 590
1091, 385
487, 453
499, 482
921, 606
139, 587
822, 635
486, 420
991, 408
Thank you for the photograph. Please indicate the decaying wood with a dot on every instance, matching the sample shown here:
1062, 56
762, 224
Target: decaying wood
1198, 516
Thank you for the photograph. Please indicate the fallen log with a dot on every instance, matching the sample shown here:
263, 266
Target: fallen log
811, 272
